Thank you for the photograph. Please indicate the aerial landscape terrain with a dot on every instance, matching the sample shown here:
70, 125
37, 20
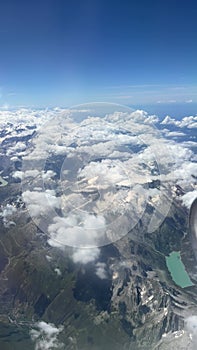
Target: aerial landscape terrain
94, 215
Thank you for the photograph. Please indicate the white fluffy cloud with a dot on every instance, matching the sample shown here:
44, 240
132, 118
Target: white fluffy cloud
188, 198
34, 173
23, 123
142, 116
101, 270
77, 230
85, 255
189, 122
39, 203
173, 133
17, 149
45, 336
24, 117
18, 174
48, 175
184, 173
106, 172
7, 212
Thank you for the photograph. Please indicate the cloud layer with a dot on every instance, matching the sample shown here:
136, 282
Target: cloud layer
108, 163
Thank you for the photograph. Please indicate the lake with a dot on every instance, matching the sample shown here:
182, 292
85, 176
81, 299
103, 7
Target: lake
177, 270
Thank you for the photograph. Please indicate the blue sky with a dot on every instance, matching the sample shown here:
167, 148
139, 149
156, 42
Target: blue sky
60, 52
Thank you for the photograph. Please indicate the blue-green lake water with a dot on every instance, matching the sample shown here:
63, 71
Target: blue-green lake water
177, 270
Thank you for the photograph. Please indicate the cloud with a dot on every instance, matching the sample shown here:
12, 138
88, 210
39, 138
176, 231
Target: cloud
141, 115
45, 336
191, 327
168, 120
105, 173
58, 271
17, 149
101, 270
85, 255
22, 175
18, 175
189, 122
173, 133
34, 173
24, 117
14, 159
108, 163
48, 175
191, 324
166, 101
39, 203
193, 125
8, 212
22, 123
186, 173
188, 198
77, 230
152, 119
